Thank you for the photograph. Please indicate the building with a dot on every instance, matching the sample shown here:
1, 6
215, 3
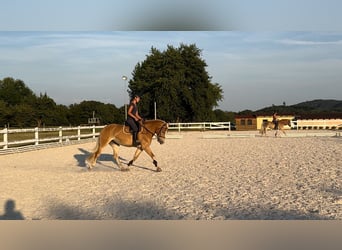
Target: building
254, 122
246, 122
319, 121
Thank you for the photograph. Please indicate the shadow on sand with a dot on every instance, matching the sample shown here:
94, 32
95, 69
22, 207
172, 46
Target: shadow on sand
81, 158
10, 212
101, 161
120, 209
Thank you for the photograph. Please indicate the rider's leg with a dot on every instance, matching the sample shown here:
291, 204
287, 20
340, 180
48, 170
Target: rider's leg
136, 142
134, 128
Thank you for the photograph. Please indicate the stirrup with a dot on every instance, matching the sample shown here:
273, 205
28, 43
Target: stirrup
136, 143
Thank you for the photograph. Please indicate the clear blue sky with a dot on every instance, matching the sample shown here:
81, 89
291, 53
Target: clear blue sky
260, 52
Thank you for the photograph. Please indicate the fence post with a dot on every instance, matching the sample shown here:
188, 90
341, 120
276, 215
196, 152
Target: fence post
5, 138
79, 133
36, 136
60, 134
93, 131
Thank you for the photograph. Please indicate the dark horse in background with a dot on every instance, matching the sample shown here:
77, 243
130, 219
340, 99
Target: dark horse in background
268, 124
117, 134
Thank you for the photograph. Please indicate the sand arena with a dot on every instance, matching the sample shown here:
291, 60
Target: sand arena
206, 176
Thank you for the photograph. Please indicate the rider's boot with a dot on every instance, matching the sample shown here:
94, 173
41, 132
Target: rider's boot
135, 141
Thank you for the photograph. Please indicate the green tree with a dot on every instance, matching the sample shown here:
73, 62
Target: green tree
15, 92
23, 116
61, 115
45, 111
176, 79
17, 101
4, 114
223, 116
108, 113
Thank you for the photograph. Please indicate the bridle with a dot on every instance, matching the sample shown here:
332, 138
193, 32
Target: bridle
157, 133
161, 130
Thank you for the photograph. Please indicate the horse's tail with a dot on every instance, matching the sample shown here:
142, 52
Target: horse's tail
97, 145
263, 128
90, 159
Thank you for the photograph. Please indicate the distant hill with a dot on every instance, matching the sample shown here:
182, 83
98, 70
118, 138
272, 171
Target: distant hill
310, 109
320, 105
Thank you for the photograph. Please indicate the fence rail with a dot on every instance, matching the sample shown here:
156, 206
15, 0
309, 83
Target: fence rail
200, 126
317, 124
37, 136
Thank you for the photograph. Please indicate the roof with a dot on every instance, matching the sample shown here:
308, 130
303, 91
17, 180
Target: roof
259, 115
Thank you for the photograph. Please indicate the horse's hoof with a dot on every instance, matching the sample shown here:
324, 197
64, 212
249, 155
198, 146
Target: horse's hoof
89, 166
130, 163
159, 169
124, 169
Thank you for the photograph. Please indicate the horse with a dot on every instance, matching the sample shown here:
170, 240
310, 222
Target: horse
271, 125
118, 134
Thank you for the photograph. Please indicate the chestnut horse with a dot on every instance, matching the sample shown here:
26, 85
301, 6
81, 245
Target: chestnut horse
271, 125
116, 135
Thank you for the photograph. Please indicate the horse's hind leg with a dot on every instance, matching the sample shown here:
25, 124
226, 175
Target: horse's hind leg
115, 148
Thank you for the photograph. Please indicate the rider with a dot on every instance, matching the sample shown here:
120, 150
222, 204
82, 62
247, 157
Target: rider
275, 120
133, 118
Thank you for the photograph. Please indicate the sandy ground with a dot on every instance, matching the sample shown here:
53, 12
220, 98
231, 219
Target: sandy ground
204, 177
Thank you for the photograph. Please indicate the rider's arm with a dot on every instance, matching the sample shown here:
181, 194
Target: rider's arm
138, 116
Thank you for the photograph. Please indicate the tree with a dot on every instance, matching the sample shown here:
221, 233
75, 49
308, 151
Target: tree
23, 116
4, 113
15, 92
17, 101
223, 116
108, 113
45, 110
177, 81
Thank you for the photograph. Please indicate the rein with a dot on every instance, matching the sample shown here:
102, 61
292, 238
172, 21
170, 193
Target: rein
158, 133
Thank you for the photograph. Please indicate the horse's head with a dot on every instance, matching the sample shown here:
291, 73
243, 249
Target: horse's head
161, 132
289, 123
157, 127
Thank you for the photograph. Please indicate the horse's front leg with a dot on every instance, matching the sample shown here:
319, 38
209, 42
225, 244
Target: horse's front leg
150, 153
283, 131
136, 155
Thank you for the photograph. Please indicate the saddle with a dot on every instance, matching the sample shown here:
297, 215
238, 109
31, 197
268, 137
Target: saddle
127, 128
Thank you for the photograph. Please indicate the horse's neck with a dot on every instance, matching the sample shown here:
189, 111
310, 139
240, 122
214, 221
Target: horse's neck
151, 126
148, 126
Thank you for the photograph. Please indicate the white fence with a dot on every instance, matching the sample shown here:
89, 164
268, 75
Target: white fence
200, 126
37, 136
317, 124
62, 135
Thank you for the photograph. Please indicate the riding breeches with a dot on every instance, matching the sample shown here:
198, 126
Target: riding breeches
133, 125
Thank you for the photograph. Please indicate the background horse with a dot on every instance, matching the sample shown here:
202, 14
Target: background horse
271, 125
116, 135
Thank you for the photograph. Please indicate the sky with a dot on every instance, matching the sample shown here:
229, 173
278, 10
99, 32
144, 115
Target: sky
262, 53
